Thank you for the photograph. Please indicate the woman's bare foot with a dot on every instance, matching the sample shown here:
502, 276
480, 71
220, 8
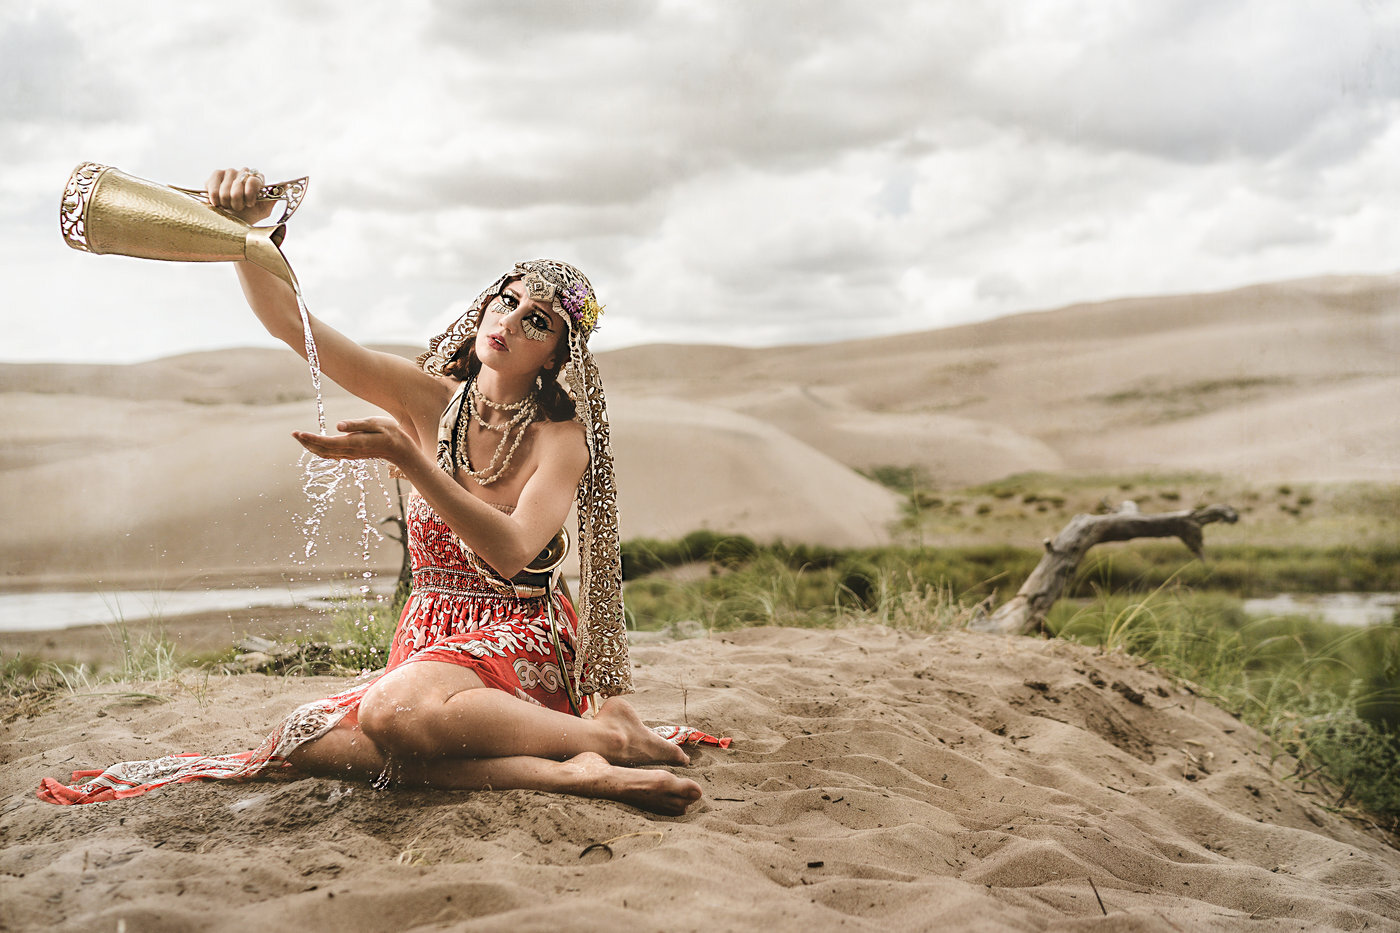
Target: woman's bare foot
658, 791
636, 743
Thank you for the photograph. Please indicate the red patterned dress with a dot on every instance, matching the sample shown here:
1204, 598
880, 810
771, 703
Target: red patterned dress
454, 614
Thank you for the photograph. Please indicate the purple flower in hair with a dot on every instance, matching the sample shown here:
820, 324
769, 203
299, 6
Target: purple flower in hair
579, 304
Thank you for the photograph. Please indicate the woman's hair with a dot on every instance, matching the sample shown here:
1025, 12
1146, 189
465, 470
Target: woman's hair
556, 403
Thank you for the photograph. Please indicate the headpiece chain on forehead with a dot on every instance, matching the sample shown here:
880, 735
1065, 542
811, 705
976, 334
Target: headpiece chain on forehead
601, 663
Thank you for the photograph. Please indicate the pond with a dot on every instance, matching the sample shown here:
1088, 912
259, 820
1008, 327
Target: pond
32, 612
1341, 608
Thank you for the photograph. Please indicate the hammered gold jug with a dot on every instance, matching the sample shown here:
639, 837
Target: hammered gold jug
108, 211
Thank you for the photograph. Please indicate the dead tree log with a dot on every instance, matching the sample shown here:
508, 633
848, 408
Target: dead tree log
400, 521
1025, 612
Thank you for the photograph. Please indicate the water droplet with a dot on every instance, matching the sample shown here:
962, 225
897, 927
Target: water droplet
323, 477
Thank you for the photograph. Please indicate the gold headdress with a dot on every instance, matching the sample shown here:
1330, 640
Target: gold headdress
601, 664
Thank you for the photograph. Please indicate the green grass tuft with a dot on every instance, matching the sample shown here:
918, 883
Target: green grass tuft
1326, 695
366, 626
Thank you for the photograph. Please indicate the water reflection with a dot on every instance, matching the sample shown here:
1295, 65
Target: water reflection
1341, 608
33, 612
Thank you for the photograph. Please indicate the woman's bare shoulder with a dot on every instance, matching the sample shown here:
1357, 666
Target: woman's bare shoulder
563, 432
562, 439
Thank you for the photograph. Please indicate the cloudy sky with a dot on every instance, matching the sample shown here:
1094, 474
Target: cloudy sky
741, 171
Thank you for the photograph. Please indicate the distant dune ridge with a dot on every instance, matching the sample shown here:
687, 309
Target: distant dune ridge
183, 466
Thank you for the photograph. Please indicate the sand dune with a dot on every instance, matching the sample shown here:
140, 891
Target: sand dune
877, 781
238, 375
182, 467
181, 490
1346, 431
1096, 387
107, 490
750, 478
958, 451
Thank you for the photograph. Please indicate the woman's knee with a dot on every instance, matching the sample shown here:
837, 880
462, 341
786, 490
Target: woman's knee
403, 713
392, 717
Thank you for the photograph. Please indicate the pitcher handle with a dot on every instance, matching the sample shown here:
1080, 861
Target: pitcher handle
290, 193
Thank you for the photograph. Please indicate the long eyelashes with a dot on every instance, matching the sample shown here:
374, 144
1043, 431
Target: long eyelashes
534, 327
533, 330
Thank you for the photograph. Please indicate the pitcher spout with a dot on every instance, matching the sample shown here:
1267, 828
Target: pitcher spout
263, 247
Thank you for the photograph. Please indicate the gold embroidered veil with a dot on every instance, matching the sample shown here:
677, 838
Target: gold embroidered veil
601, 664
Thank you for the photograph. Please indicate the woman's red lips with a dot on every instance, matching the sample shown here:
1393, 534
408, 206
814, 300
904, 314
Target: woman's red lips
498, 343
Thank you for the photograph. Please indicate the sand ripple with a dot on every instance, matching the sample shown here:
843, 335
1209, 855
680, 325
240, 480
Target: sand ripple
878, 780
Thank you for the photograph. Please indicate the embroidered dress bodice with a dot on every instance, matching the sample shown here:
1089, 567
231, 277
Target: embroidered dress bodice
451, 595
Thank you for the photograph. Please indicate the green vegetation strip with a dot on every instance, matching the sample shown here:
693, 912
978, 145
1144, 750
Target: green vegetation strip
1325, 695
1243, 570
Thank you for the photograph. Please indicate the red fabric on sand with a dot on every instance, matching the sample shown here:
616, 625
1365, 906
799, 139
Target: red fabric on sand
453, 615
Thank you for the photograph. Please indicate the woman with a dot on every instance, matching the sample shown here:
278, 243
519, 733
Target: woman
489, 664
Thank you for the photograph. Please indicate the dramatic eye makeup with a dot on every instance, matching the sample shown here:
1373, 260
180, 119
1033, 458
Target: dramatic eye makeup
536, 326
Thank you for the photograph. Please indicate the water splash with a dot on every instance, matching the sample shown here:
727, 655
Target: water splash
323, 477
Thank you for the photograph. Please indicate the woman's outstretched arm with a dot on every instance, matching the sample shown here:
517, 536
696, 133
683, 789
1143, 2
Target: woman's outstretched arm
506, 542
387, 381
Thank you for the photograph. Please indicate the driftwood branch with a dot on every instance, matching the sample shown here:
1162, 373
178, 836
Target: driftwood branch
400, 521
262, 655
1025, 612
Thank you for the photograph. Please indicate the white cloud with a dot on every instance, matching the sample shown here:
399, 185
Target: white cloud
727, 171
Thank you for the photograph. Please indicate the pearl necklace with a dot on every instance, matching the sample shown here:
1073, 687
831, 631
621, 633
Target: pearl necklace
524, 412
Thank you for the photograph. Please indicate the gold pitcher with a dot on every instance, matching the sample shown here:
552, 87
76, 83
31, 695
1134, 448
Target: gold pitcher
108, 211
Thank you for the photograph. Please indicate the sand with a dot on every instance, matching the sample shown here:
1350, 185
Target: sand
181, 469
878, 780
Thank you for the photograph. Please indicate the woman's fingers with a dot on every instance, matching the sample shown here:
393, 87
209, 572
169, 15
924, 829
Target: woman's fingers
226, 188
242, 188
324, 446
252, 187
247, 184
234, 188
379, 425
364, 438
312, 442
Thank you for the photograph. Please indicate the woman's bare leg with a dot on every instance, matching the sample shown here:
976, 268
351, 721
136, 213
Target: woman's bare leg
430, 709
584, 775
345, 752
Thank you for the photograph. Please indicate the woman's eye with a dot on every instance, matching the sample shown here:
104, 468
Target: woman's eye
536, 327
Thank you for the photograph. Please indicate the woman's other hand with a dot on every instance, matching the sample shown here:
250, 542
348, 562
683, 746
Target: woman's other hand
236, 191
365, 439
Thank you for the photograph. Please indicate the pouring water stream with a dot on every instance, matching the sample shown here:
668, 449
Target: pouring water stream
323, 476
105, 210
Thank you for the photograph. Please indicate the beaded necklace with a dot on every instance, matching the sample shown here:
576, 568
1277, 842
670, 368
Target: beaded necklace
523, 414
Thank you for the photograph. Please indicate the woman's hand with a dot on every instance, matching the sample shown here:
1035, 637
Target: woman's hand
366, 439
236, 191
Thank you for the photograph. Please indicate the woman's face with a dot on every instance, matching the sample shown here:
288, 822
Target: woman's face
518, 334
